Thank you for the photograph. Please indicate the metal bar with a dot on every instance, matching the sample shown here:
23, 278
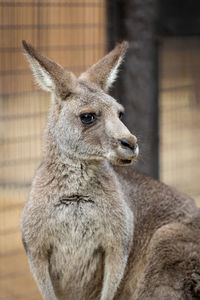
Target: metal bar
14, 274
56, 48
20, 116
32, 292
9, 231
12, 207
28, 71
50, 26
12, 253
19, 139
52, 4
24, 161
13, 185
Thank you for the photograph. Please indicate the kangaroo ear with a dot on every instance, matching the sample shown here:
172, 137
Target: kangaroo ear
104, 72
49, 75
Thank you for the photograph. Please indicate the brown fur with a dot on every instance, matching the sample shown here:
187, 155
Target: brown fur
93, 231
164, 262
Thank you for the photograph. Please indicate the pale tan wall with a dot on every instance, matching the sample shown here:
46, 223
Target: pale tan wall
180, 114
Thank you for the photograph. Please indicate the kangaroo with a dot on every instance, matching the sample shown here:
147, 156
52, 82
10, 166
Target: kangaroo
92, 227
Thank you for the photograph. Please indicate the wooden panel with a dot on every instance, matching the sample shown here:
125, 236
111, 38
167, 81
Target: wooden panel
33, 3
16, 262
15, 276
60, 36
16, 15
13, 197
17, 286
27, 16
10, 242
9, 220
14, 63
180, 114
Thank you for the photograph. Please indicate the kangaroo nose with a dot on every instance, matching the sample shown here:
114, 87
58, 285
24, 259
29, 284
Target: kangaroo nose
128, 144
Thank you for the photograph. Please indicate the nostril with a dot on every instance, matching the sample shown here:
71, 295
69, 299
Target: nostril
125, 143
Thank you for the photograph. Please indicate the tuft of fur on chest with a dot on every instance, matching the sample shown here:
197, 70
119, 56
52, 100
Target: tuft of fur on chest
74, 200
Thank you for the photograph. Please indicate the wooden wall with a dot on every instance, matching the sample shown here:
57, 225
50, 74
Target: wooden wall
71, 33
179, 101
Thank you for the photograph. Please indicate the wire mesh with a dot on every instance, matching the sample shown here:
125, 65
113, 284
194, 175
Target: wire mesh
180, 114
73, 34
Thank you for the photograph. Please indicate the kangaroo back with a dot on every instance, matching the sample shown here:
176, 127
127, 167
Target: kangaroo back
164, 262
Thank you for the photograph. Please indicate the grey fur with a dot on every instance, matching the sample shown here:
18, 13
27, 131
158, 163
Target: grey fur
94, 231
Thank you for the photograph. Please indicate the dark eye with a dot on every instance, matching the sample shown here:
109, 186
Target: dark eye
88, 118
121, 113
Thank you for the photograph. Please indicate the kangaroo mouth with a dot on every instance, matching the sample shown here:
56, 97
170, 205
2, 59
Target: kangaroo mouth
123, 162
126, 161
119, 160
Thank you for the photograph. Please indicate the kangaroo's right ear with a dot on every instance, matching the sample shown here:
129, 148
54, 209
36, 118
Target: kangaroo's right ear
49, 75
104, 72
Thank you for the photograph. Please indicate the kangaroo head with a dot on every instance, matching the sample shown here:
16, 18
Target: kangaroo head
85, 122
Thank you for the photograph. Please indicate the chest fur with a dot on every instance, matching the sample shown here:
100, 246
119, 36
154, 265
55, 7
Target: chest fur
76, 254
77, 220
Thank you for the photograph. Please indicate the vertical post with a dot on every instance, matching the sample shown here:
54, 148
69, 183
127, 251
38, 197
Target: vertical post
137, 87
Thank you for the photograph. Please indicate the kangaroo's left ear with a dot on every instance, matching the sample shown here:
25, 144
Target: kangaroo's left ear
49, 75
104, 72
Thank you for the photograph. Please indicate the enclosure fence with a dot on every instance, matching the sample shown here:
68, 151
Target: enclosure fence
179, 101
74, 34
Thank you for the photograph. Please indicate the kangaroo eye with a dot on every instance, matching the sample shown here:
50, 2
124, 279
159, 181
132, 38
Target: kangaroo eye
121, 113
88, 118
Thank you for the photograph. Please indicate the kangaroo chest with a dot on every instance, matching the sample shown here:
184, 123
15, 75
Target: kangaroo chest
77, 217
76, 255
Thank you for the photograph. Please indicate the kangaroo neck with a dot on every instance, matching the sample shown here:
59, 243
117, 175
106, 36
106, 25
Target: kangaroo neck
77, 175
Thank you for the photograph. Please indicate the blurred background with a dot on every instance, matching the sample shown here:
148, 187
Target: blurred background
159, 85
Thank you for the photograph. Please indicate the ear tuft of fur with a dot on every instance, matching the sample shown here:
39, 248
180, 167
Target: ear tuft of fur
120, 51
27, 47
48, 74
105, 71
